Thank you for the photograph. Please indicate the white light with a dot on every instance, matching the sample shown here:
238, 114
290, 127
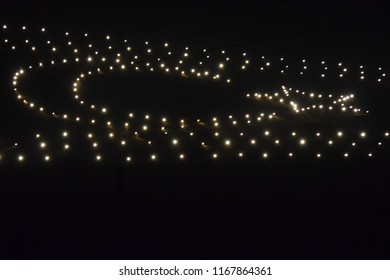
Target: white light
20, 158
363, 134
265, 155
153, 157
175, 141
128, 159
181, 156
339, 133
43, 145
302, 142
346, 155
98, 157
227, 142
47, 158
65, 134
215, 156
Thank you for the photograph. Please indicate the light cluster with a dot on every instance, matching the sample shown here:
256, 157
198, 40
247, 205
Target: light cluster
260, 132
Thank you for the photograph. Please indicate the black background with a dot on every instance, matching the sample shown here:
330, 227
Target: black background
301, 210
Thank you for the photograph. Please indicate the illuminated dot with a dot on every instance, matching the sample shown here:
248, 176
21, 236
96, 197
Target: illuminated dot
340, 133
227, 142
363, 134
47, 158
302, 142
290, 154
98, 157
153, 157
20, 158
346, 155
215, 156
175, 141
318, 155
66, 147
265, 155
43, 145
181, 156
128, 159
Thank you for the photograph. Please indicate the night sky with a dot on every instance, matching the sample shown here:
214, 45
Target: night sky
192, 163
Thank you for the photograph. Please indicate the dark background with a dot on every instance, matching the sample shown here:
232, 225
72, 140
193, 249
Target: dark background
203, 210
